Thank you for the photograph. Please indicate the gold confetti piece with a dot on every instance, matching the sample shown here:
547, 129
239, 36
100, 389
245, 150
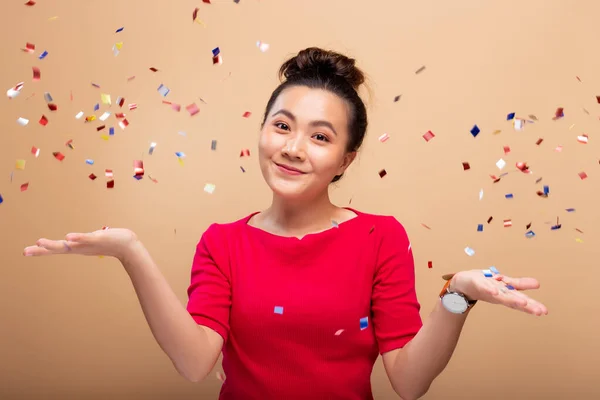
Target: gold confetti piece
104, 136
52, 18
20, 164
105, 98
578, 240
420, 70
497, 131
425, 226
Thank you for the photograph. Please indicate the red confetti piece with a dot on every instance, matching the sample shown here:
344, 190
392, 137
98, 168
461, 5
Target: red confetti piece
43, 120
425, 226
138, 167
558, 149
35, 151
582, 175
98, 129
466, 166
507, 223
153, 69
245, 152
30, 3
123, 124
428, 136
578, 230
193, 109
522, 167
110, 184
92, 177
108, 173
495, 178
206, 1
120, 102
506, 149
559, 113
583, 139
69, 144
195, 14
598, 99
539, 141
119, 115
52, 107
29, 48
58, 155
382, 173
429, 264
132, 106
490, 219
36, 74
24, 187
176, 107
131, 78
247, 114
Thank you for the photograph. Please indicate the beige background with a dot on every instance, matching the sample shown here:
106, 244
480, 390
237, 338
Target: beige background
72, 327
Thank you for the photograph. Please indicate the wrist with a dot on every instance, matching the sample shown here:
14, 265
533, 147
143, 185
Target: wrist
130, 254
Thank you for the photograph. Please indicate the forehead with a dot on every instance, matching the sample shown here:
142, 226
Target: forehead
313, 105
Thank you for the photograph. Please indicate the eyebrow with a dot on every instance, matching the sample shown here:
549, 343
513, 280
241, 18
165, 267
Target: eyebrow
291, 116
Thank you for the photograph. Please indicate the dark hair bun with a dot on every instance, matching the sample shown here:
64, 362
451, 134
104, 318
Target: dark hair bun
324, 65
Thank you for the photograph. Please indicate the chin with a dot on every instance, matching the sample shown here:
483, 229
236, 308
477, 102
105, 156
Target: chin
288, 190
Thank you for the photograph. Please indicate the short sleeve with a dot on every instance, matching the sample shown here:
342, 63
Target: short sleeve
209, 292
395, 308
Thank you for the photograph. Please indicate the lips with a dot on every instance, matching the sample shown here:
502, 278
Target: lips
290, 168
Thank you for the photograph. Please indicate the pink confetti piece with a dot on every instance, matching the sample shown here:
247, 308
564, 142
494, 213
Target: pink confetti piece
24, 186
339, 332
428, 136
582, 175
384, 137
193, 109
247, 114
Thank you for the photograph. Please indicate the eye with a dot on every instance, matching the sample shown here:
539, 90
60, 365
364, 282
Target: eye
321, 137
282, 126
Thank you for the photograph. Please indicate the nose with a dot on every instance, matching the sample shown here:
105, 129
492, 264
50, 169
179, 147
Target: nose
294, 148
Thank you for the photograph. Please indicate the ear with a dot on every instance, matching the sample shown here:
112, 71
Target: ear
348, 158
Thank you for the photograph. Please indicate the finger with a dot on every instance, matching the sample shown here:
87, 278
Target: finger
520, 283
80, 237
55, 246
36, 251
509, 298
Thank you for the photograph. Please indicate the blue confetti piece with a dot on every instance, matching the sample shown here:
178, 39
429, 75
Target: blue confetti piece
242, 168
179, 154
89, 162
120, 30
364, 323
555, 227
546, 189
163, 90
111, 131
509, 196
278, 310
494, 270
480, 228
475, 131
96, 107
216, 51
138, 177
43, 55
1, 199
530, 234
570, 210
509, 287
510, 116
487, 273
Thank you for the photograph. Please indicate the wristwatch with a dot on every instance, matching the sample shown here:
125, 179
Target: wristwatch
456, 303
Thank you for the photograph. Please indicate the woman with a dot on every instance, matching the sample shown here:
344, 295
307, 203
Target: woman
302, 297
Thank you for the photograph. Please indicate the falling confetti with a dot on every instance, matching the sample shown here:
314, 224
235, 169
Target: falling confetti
382, 173
262, 46
209, 188
397, 98
420, 70
192, 109
14, 91
384, 137
475, 131
364, 323
278, 310
428, 136
470, 252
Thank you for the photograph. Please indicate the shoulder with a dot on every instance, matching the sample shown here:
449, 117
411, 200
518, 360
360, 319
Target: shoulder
218, 231
384, 224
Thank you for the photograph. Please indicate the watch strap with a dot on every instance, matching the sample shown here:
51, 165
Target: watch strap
448, 278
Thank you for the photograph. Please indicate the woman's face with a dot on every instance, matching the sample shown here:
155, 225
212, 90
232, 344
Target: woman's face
302, 145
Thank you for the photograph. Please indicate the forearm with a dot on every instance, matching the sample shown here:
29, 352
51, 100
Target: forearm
428, 353
174, 329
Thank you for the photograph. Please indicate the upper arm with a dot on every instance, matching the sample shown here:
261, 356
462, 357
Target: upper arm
209, 291
395, 308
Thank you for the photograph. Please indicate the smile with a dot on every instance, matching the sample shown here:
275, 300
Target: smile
286, 169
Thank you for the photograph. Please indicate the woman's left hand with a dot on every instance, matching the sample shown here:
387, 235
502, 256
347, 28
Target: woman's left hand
498, 289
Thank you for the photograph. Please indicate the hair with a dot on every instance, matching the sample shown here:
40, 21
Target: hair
328, 70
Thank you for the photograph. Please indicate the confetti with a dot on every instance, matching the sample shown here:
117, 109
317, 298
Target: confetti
123, 124
43, 120
420, 70
79, 115
480, 228
22, 121
466, 166
209, 188
490, 219
108, 173
425, 226
24, 187
570, 210
99, 128
558, 149
262, 46
69, 144
95, 85
35, 151
494, 270
364, 323
506, 149
522, 166
559, 113
475, 131
497, 131
138, 168
96, 107
213, 145
120, 30
337, 333
382, 173
278, 310
582, 139
110, 184
507, 223
582, 175
195, 14
509, 196
52, 107
384, 137
14, 91
397, 98
528, 226
480, 194
29, 48
30, 3
245, 152
501, 164
36, 74
242, 168
429, 264
92, 177
151, 149
470, 252
487, 273
539, 141
20, 164
163, 90
1, 199
43, 55
428, 136
510, 116
58, 155
217, 59
105, 98
247, 114
117, 48
89, 162
193, 109
519, 124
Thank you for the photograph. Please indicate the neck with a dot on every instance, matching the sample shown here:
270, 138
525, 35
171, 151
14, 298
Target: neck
299, 218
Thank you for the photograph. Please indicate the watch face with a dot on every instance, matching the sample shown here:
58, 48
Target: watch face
454, 303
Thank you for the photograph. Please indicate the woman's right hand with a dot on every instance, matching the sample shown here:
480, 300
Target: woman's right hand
113, 242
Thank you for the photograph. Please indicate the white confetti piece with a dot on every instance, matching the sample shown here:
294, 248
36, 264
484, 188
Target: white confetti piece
384, 137
79, 115
470, 252
519, 124
22, 121
104, 116
209, 188
501, 164
14, 91
152, 146
481, 194
262, 46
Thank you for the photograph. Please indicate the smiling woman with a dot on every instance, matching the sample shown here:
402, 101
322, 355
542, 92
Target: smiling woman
303, 297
